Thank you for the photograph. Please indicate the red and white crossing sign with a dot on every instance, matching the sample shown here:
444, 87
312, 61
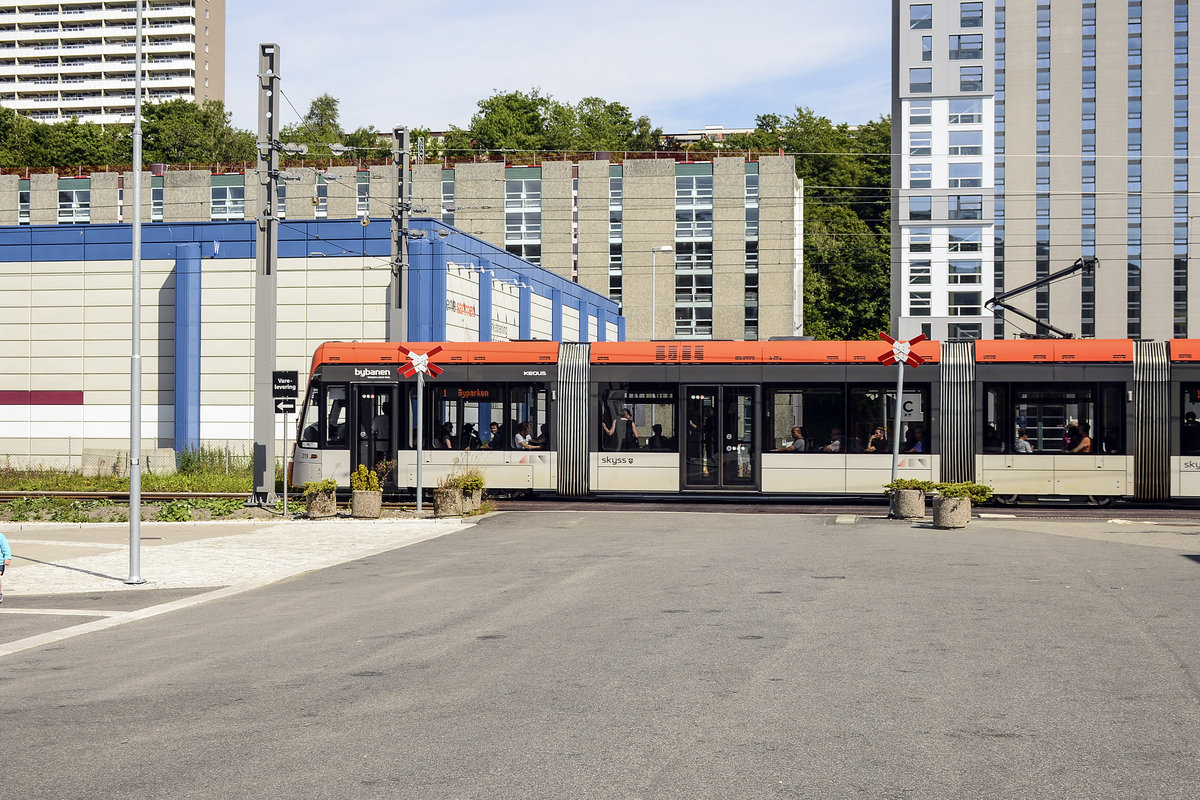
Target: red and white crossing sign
419, 362
902, 351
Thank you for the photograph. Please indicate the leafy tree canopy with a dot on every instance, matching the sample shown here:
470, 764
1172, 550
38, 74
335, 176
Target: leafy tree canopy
322, 127
181, 132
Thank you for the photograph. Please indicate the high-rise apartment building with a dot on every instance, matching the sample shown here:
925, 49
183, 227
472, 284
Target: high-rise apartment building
75, 58
690, 250
1030, 134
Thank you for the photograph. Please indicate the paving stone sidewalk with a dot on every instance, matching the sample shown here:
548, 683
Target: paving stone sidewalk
263, 552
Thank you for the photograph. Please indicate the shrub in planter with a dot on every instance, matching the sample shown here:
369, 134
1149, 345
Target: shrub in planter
366, 498
952, 506
458, 493
321, 498
908, 497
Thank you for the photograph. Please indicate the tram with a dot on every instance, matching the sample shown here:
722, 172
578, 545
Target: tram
766, 418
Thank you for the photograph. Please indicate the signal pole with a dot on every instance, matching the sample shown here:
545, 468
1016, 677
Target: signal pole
266, 282
398, 319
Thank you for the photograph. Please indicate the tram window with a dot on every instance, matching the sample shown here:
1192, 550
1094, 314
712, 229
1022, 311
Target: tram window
872, 407
1058, 420
462, 414
650, 424
999, 435
1189, 426
310, 423
820, 413
335, 415
530, 404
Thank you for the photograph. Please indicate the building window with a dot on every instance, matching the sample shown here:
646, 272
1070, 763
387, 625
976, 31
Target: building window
920, 80
228, 202
920, 16
74, 206
966, 143
964, 304
963, 176
321, 198
920, 273
363, 206
920, 207
970, 15
920, 143
156, 200
523, 218
965, 206
970, 79
966, 271
920, 112
23, 207
920, 176
927, 48
966, 240
281, 200
966, 47
448, 197
920, 240
958, 330
919, 304
965, 111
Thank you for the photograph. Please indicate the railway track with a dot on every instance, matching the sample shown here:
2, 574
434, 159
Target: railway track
1184, 514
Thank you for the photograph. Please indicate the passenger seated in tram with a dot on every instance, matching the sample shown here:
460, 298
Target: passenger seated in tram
470, 439
915, 439
493, 441
877, 442
523, 441
794, 443
542, 440
1023, 444
445, 440
837, 442
657, 441
1084, 444
621, 433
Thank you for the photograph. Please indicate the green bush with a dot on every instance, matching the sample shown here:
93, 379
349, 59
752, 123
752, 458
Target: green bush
909, 483
175, 511
313, 489
364, 480
469, 481
978, 492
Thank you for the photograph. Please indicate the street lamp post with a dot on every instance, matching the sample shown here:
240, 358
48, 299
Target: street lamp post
666, 248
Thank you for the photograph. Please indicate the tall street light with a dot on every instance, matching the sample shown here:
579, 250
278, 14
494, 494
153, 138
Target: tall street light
666, 248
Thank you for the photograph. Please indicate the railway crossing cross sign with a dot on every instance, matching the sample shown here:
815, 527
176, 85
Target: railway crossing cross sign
902, 351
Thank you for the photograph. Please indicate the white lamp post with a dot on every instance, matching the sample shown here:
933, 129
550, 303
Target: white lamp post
666, 248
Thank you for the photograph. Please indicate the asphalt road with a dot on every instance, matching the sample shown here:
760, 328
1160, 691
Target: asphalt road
624, 655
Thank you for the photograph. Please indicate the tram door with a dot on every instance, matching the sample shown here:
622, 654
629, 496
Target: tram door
721, 450
375, 424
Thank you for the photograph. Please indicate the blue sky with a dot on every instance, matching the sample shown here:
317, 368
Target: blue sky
685, 65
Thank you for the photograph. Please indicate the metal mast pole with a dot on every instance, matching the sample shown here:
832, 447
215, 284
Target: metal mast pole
398, 319
266, 281
135, 360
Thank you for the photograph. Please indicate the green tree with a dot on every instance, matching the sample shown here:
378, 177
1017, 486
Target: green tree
181, 132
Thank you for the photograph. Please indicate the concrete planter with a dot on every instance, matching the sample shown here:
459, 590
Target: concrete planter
322, 506
447, 502
472, 500
951, 512
366, 504
908, 504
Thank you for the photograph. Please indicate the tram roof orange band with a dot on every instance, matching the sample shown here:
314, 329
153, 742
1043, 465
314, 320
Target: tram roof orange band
792, 352
451, 352
1185, 349
1026, 351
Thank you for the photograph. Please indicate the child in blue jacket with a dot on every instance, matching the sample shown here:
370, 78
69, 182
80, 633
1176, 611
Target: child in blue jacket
5, 559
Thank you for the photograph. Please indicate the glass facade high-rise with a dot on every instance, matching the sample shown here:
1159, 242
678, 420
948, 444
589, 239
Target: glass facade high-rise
1079, 128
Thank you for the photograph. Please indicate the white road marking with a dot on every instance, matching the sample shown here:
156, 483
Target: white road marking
845, 519
996, 516
61, 612
52, 543
1131, 522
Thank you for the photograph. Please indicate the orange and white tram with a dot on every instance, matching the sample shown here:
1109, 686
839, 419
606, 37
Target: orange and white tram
772, 418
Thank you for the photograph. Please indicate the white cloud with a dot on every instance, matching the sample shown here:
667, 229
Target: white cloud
399, 63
